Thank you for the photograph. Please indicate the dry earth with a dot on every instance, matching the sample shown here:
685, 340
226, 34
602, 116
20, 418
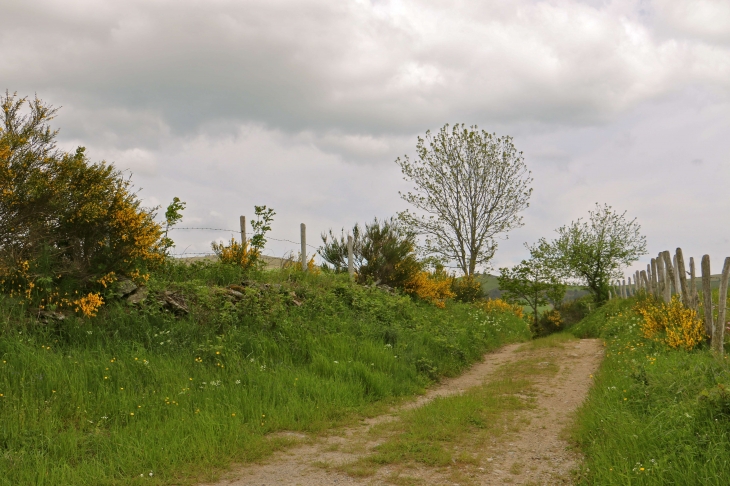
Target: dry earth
531, 453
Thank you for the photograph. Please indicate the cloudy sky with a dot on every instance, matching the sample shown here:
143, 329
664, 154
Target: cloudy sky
304, 105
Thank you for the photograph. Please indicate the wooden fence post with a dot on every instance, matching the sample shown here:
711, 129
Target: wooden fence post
655, 277
610, 295
707, 295
645, 280
649, 286
350, 257
681, 271
677, 290
242, 221
623, 289
694, 296
660, 275
303, 231
718, 338
637, 281
670, 276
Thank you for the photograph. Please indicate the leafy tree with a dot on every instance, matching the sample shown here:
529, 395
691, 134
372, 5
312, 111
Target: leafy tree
471, 184
65, 224
596, 250
173, 215
261, 225
532, 282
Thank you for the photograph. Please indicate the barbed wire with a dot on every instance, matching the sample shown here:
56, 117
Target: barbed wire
238, 231
207, 229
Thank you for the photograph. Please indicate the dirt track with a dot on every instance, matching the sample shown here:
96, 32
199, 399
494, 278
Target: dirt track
531, 454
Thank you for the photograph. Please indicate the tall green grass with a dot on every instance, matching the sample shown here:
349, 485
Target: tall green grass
140, 396
655, 416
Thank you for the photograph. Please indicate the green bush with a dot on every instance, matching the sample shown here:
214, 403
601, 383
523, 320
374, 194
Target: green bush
384, 253
66, 224
466, 289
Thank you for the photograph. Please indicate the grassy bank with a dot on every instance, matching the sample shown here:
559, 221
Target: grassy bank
655, 416
138, 395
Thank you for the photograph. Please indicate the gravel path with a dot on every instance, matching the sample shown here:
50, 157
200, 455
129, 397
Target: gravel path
534, 455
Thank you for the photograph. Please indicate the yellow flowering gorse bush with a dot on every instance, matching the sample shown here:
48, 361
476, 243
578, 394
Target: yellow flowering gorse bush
66, 224
236, 253
672, 324
432, 287
500, 306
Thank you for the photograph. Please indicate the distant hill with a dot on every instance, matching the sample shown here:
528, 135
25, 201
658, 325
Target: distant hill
271, 262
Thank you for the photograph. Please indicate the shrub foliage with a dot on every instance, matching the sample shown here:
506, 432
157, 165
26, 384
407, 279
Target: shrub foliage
672, 324
384, 253
66, 224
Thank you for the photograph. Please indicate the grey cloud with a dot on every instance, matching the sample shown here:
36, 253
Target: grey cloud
351, 67
705, 20
304, 105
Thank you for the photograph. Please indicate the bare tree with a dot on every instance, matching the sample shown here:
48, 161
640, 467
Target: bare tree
471, 184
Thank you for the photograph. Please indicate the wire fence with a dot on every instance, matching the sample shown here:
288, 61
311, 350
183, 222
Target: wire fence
227, 230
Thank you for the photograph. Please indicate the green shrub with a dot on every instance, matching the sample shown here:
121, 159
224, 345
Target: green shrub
467, 289
384, 253
66, 225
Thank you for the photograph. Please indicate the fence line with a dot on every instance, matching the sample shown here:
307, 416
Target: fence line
302, 242
238, 231
666, 275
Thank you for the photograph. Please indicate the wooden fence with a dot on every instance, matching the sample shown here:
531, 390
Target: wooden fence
666, 275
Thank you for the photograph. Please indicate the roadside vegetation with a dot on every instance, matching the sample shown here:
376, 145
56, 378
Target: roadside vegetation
659, 412
142, 395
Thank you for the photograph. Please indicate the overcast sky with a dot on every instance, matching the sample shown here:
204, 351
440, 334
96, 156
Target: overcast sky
304, 105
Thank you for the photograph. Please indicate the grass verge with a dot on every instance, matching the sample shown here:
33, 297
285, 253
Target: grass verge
655, 416
139, 395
